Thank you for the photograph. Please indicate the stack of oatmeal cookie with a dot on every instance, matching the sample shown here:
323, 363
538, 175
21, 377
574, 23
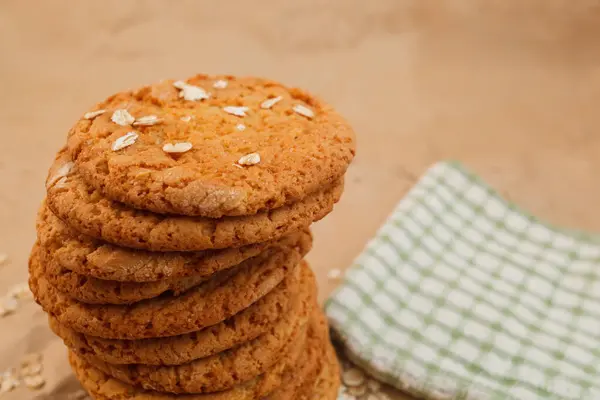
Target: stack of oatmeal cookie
171, 242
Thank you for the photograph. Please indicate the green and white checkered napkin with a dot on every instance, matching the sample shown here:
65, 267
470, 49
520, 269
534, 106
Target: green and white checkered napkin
463, 296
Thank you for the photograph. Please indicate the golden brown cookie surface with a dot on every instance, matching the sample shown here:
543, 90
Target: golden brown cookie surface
92, 290
103, 387
216, 373
179, 147
224, 295
328, 383
98, 291
287, 300
87, 211
305, 374
91, 257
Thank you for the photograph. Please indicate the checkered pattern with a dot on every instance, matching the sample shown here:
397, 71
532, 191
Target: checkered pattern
462, 296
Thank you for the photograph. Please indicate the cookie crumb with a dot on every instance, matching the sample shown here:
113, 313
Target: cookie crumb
186, 118
373, 385
238, 111
220, 84
122, 117
356, 390
303, 110
249, 159
8, 382
32, 359
32, 370
270, 102
190, 92
180, 147
334, 274
93, 114
8, 305
353, 377
147, 120
35, 382
125, 141
240, 127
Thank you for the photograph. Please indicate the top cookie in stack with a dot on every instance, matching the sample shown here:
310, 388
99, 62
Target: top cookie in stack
170, 244
210, 147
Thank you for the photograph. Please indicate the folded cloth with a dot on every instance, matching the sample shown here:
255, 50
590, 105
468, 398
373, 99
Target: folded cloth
463, 296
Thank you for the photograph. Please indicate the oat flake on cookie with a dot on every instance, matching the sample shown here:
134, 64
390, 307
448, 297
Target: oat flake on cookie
237, 111
125, 141
267, 104
249, 159
180, 147
122, 117
190, 92
93, 114
220, 84
147, 120
61, 173
303, 110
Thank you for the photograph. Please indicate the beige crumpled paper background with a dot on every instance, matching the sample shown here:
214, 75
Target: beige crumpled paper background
509, 87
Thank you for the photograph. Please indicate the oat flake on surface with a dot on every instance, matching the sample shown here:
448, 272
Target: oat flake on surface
31, 359
146, 120
180, 147
20, 291
240, 127
270, 102
220, 84
125, 141
93, 114
62, 172
303, 110
9, 304
374, 385
180, 84
334, 274
186, 118
34, 382
32, 369
8, 382
122, 117
356, 385
353, 377
249, 159
234, 110
190, 92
